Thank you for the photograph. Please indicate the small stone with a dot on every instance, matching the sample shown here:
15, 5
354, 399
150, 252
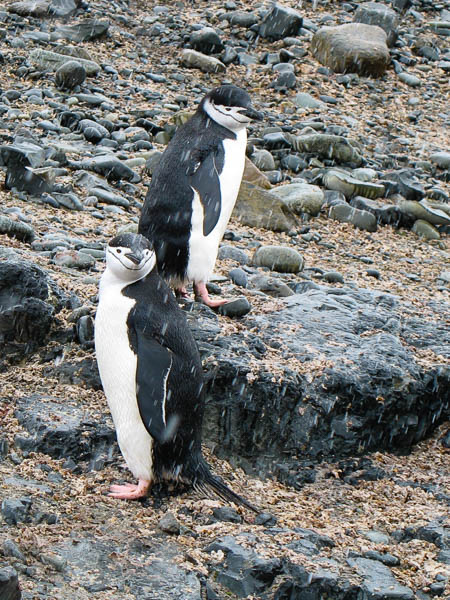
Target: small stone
54, 560
409, 79
304, 100
333, 277
169, 524
10, 548
359, 218
278, 258
207, 41
235, 308
266, 519
238, 277
228, 514
263, 160
69, 75
232, 253
16, 510
197, 60
73, 259
426, 230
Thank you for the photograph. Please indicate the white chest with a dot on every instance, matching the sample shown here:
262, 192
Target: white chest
203, 249
117, 365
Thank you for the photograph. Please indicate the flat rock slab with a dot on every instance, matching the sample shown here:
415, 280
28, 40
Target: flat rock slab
51, 61
339, 350
352, 48
379, 582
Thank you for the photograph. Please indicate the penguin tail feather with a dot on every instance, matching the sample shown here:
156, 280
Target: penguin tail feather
208, 483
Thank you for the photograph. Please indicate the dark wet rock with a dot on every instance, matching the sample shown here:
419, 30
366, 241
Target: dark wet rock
84, 31
340, 181
285, 81
278, 258
64, 8
256, 207
378, 580
10, 548
16, 510
387, 214
415, 397
359, 218
235, 308
109, 197
47, 60
109, 166
69, 75
21, 158
169, 524
197, 60
263, 160
382, 15
9, 584
240, 18
352, 48
158, 575
84, 331
206, 40
384, 557
228, 514
64, 431
408, 186
30, 8
29, 300
280, 22
16, 229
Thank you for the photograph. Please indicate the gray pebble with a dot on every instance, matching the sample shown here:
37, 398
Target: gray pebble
235, 308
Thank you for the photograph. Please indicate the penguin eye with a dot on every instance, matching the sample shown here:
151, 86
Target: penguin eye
119, 251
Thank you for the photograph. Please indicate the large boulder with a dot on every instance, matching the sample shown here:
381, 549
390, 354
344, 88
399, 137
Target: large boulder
256, 207
352, 48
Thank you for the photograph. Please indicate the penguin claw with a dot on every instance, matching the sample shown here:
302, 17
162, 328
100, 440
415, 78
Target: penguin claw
130, 491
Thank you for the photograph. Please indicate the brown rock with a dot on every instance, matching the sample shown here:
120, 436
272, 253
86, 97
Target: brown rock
352, 48
257, 208
253, 175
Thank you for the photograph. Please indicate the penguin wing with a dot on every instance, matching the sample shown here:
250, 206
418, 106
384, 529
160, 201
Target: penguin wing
153, 369
205, 181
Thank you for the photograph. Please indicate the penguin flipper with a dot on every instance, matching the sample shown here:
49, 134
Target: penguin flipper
205, 181
153, 369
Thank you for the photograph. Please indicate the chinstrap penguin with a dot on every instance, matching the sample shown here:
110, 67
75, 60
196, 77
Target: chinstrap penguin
194, 189
151, 373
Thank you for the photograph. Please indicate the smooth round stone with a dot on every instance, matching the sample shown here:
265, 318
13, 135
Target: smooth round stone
283, 68
263, 160
333, 277
93, 135
232, 253
373, 273
441, 159
73, 259
286, 80
279, 258
293, 163
238, 277
426, 230
235, 308
69, 75
304, 100
362, 219
301, 197
409, 79
272, 286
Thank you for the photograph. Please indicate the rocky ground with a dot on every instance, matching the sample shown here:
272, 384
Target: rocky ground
328, 378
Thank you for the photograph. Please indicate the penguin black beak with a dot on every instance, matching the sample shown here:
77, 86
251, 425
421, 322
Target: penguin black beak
251, 113
135, 258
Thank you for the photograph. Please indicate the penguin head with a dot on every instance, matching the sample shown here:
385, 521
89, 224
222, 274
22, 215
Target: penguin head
230, 107
130, 257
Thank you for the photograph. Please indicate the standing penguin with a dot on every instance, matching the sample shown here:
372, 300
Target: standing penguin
194, 189
151, 374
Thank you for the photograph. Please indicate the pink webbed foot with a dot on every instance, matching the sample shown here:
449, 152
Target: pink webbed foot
202, 293
130, 491
181, 292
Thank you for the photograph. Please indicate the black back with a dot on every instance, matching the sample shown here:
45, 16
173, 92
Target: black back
160, 336
167, 211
